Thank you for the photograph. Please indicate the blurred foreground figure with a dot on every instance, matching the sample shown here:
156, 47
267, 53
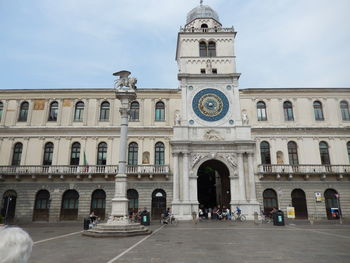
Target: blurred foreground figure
15, 245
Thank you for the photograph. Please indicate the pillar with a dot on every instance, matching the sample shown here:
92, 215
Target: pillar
176, 177
252, 190
185, 181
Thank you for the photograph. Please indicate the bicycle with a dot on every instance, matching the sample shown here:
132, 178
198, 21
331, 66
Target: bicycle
168, 220
238, 217
265, 219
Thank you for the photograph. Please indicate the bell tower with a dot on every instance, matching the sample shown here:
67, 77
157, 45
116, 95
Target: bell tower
210, 130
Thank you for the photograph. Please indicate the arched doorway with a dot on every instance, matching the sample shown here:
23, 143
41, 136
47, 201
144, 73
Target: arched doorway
70, 204
299, 204
270, 200
9, 206
213, 185
98, 203
133, 197
41, 206
331, 201
158, 203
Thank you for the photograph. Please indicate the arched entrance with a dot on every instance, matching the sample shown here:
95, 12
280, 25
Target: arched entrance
213, 185
133, 197
41, 206
331, 201
70, 203
299, 204
270, 200
9, 206
98, 203
158, 203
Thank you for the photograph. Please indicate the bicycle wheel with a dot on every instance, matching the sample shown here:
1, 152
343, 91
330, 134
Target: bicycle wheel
242, 218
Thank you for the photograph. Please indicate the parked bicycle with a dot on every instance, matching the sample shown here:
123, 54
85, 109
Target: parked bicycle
170, 219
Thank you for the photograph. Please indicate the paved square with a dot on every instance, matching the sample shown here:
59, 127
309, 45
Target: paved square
208, 241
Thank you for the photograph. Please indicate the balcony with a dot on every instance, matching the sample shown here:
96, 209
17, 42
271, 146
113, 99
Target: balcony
305, 170
77, 170
207, 30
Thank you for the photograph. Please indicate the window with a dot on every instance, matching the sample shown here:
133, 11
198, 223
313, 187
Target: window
159, 153
48, 153
17, 153
134, 111
214, 71
132, 153
325, 160
261, 110
202, 70
23, 111
293, 153
42, 200
212, 49
288, 111
53, 112
270, 200
104, 112
318, 111
75, 154
70, 200
133, 197
79, 111
160, 111
1, 109
344, 108
202, 49
102, 153
98, 203
348, 146
265, 153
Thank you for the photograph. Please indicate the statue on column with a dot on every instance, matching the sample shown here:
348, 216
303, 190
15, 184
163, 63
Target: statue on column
124, 81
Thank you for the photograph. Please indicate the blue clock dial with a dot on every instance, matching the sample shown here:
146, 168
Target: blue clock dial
210, 104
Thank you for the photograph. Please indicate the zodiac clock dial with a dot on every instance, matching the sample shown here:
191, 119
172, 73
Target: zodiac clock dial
210, 104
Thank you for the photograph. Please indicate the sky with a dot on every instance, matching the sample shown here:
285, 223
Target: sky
50, 44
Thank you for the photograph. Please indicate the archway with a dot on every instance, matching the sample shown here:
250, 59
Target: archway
70, 204
133, 197
213, 185
41, 206
331, 201
299, 204
9, 206
98, 203
158, 203
270, 200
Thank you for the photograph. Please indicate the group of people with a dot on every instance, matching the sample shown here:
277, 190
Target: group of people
218, 213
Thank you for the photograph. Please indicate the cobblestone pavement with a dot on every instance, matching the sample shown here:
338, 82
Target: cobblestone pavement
207, 241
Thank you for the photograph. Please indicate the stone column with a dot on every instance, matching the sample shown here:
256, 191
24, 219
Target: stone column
120, 200
185, 181
241, 181
176, 177
252, 190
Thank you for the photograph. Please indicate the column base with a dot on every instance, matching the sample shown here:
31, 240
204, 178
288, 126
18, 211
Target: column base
248, 208
182, 210
119, 207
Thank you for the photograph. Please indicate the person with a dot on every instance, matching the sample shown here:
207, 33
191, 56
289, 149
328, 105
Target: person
166, 215
93, 218
15, 245
238, 211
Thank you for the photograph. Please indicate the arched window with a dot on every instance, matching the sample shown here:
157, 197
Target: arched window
331, 201
70, 204
48, 153
159, 153
158, 203
202, 49
265, 153
261, 110
23, 111
53, 112
102, 153
270, 200
318, 111
348, 146
9, 204
299, 204
41, 206
211, 49
1, 110
75, 154
104, 111
134, 111
325, 160
293, 153
79, 111
160, 111
17, 153
204, 27
344, 108
133, 153
288, 111
133, 197
98, 203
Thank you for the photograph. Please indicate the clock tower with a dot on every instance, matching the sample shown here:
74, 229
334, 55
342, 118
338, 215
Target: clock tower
209, 133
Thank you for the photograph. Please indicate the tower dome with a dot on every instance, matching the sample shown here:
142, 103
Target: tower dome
202, 11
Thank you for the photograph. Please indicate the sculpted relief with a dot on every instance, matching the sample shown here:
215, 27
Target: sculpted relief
212, 135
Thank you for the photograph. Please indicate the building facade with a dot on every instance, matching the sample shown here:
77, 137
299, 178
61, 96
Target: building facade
205, 144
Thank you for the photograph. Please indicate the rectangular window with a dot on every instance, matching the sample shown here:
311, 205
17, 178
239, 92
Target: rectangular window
262, 115
78, 115
160, 115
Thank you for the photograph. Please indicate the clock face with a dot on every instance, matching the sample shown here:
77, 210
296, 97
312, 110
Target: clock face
210, 104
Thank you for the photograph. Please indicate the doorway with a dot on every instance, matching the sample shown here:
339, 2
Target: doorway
213, 185
9, 206
299, 204
41, 206
70, 203
158, 203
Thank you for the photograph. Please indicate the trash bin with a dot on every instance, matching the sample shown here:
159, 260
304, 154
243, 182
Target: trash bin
86, 223
145, 218
335, 213
278, 218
